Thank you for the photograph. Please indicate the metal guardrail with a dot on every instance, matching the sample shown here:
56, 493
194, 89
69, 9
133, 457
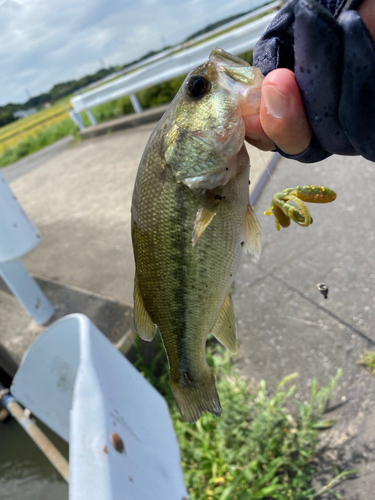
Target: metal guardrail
236, 42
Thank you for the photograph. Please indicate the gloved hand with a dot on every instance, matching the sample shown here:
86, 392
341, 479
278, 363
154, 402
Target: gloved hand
333, 57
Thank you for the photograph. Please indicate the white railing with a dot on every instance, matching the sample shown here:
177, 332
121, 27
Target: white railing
236, 41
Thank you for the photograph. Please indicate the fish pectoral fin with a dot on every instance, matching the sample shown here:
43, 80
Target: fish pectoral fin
144, 325
252, 241
206, 212
225, 327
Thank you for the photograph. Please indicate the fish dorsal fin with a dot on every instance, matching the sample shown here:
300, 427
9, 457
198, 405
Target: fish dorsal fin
225, 327
252, 230
206, 212
144, 325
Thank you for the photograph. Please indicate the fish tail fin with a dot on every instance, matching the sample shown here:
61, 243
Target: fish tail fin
193, 398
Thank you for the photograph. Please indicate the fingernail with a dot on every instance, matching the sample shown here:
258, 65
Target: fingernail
252, 136
277, 104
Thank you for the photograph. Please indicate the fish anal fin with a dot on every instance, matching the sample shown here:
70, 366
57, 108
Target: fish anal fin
195, 397
144, 325
206, 212
252, 241
225, 327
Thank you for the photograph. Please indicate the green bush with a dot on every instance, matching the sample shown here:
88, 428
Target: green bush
160, 94
113, 109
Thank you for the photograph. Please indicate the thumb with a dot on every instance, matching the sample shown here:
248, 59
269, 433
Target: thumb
282, 114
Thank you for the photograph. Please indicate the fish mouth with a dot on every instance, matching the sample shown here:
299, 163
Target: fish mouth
238, 70
222, 58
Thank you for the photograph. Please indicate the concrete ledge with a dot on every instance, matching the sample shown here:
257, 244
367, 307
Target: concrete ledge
18, 330
128, 121
115, 320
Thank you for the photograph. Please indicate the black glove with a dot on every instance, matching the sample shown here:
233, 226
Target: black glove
332, 55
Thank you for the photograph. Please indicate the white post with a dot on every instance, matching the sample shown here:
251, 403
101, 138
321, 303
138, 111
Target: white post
136, 104
91, 116
76, 117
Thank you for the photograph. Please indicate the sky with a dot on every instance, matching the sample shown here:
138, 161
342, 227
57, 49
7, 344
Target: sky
44, 42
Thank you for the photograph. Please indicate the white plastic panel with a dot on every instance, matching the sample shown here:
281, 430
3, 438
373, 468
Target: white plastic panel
44, 382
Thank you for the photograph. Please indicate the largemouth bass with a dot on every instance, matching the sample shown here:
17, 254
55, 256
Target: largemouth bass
191, 221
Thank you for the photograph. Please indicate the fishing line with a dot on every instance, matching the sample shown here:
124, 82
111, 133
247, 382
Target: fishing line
264, 178
261, 153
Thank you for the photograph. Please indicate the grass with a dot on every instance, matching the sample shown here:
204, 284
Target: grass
368, 360
25, 136
33, 143
258, 448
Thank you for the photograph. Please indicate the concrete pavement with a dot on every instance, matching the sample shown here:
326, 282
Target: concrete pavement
80, 201
285, 325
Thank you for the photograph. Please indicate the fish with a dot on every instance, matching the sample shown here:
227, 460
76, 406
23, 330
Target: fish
191, 221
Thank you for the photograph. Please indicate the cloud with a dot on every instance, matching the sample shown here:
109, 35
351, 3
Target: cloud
43, 43
10, 4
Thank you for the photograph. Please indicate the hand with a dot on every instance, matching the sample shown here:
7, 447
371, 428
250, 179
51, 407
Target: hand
283, 120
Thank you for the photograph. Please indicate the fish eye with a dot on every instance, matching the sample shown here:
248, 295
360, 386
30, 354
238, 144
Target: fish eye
197, 86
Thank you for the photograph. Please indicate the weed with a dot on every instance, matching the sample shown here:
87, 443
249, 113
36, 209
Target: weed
257, 449
368, 360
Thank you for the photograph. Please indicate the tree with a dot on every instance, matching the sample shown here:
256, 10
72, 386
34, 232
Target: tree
6, 117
